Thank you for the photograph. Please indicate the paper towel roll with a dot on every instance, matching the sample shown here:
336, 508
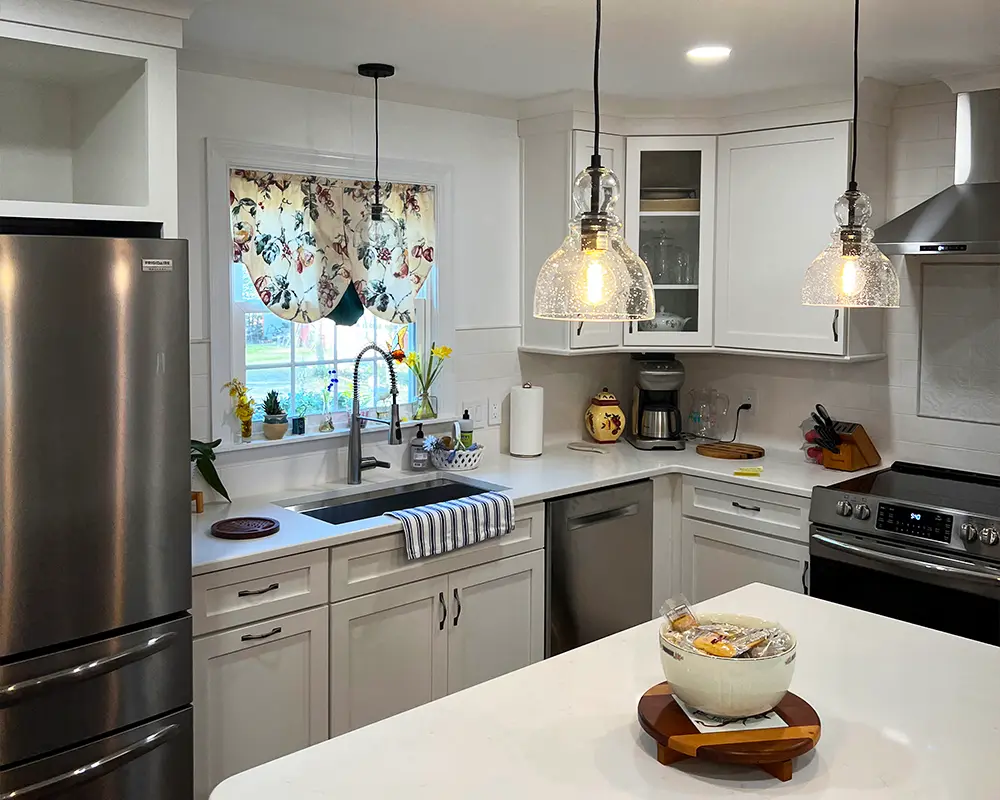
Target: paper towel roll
527, 407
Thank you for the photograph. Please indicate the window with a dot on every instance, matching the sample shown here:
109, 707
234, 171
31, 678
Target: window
296, 360
249, 341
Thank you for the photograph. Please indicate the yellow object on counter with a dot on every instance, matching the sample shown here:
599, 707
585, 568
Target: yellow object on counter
749, 472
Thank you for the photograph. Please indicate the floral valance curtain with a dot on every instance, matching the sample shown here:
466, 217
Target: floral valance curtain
303, 240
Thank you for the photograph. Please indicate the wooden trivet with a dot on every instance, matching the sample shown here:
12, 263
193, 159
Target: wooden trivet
730, 450
244, 528
771, 749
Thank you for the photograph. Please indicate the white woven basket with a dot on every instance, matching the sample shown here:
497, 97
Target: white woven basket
463, 460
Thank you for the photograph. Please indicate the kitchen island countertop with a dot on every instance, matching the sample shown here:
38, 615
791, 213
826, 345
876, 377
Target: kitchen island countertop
907, 712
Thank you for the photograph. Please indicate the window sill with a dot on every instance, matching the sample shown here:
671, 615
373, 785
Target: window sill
260, 443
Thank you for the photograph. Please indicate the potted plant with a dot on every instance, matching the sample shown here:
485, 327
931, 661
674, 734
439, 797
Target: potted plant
426, 370
202, 456
275, 419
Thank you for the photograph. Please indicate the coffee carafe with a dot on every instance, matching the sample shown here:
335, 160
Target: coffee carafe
655, 422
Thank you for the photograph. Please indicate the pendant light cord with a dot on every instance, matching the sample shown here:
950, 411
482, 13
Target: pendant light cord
377, 199
854, 128
597, 87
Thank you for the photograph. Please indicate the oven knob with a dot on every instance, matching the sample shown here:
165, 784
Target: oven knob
844, 508
970, 532
862, 511
989, 536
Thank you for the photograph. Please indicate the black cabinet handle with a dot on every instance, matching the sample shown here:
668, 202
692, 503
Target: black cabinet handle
630, 327
836, 328
250, 592
458, 613
444, 611
805, 571
746, 508
579, 329
249, 637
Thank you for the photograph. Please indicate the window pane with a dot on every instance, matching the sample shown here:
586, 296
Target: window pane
310, 383
351, 340
268, 339
261, 381
366, 380
315, 342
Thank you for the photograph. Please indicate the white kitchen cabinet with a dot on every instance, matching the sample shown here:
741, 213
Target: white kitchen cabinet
716, 559
389, 652
95, 133
549, 163
670, 223
497, 619
776, 194
260, 692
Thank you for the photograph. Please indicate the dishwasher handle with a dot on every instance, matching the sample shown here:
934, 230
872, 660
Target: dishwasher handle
586, 520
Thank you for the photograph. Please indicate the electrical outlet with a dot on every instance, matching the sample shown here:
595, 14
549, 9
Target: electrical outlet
495, 413
477, 412
749, 396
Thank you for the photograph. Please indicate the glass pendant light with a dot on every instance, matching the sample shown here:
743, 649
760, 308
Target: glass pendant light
384, 236
594, 276
852, 272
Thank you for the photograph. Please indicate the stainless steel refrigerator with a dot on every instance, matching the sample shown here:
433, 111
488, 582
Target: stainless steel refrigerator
95, 545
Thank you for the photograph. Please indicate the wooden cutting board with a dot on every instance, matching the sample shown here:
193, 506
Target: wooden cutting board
736, 450
771, 749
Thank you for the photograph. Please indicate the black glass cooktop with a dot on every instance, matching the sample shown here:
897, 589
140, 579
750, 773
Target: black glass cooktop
969, 492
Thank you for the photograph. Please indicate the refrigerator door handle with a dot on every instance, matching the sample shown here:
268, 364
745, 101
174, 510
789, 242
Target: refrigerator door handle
14, 693
95, 769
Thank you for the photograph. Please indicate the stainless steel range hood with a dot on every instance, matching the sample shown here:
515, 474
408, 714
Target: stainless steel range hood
964, 218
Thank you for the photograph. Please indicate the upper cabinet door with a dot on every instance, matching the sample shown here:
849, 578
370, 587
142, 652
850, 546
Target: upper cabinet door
597, 334
669, 222
776, 195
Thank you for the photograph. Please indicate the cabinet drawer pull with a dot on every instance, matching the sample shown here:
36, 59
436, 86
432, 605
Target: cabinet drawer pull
444, 611
250, 637
746, 508
251, 592
579, 329
805, 572
836, 328
458, 613
608, 514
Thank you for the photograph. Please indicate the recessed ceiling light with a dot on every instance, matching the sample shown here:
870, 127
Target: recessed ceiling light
709, 54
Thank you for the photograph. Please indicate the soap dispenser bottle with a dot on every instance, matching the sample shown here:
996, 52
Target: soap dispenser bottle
465, 429
420, 459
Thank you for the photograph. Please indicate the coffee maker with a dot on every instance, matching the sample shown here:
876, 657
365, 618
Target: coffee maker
655, 422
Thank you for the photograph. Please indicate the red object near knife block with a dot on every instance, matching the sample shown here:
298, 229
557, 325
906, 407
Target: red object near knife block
856, 449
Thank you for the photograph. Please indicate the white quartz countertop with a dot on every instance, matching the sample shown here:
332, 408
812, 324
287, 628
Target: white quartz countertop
559, 471
907, 712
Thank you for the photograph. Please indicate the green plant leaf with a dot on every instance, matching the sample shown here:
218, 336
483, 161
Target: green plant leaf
211, 476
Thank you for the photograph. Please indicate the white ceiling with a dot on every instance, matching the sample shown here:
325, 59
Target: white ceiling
518, 49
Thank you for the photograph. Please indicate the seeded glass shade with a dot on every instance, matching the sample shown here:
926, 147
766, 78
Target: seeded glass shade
602, 282
851, 272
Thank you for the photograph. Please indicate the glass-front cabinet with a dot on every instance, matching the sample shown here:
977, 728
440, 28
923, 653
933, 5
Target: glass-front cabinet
670, 213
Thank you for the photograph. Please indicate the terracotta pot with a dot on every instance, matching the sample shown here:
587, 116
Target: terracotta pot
604, 418
275, 430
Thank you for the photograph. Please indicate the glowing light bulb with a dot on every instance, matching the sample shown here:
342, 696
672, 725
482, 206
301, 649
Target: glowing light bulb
595, 278
850, 283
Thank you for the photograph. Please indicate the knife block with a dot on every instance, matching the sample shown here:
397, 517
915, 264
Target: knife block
856, 449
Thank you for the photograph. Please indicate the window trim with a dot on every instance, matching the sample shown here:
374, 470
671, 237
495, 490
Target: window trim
435, 316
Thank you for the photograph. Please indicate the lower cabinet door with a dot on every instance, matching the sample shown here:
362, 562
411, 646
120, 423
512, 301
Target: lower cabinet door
260, 692
388, 652
497, 619
716, 559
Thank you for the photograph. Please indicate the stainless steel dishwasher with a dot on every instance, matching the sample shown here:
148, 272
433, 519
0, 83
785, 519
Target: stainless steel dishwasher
598, 564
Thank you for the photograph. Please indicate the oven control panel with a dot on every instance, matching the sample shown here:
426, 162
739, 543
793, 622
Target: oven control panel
914, 522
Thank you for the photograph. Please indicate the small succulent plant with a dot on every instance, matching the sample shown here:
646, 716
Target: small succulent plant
271, 405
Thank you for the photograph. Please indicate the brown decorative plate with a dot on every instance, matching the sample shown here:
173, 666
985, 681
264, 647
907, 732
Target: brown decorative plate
245, 528
771, 749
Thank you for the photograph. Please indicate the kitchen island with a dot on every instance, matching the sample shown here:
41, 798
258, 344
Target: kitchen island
907, 712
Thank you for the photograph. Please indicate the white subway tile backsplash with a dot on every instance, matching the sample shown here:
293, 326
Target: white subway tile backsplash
919, 155
199, 390
915, 123
902, 373
200, 358
944, 178
923, 94
916, 182
903, 345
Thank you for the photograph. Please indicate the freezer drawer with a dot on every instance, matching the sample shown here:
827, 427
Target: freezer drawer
599, 564
56, 700
152, 761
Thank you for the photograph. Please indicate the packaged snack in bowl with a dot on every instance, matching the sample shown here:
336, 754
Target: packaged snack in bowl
678, 614
725, 645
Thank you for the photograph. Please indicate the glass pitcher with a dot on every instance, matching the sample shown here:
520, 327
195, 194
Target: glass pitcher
709, 408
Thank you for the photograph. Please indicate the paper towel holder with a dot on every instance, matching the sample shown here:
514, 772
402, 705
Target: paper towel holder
514, 424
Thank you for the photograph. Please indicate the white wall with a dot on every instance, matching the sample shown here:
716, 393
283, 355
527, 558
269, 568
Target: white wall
883, 395
36, 151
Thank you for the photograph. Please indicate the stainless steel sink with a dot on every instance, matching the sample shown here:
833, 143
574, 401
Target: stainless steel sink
336, 509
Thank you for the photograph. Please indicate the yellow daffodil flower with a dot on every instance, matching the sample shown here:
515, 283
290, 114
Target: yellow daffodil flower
441, 352
411, 359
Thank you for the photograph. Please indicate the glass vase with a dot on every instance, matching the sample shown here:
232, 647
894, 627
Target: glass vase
427, 406
246, 429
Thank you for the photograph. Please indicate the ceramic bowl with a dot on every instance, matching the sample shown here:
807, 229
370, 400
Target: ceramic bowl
728, 687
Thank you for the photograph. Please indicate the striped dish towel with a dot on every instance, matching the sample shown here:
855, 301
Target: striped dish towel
443, 527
